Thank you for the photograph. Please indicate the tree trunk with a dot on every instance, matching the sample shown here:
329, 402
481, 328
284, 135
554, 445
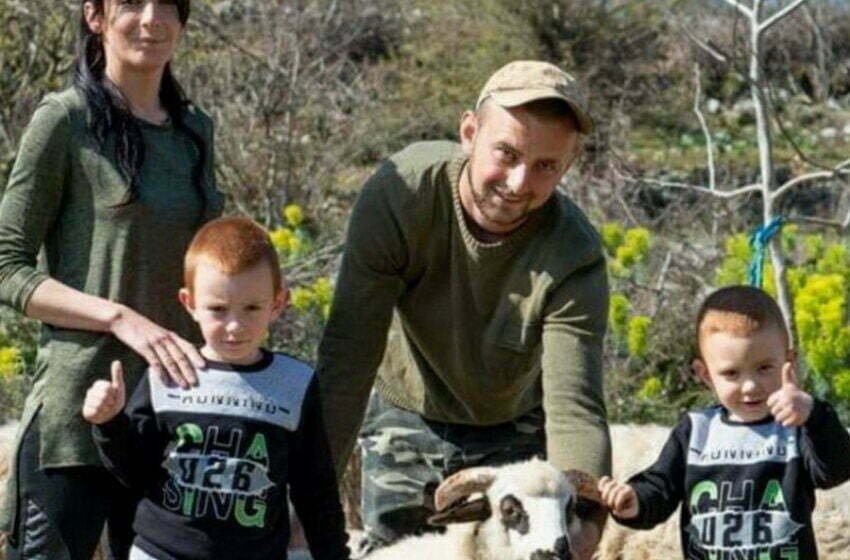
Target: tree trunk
765, 142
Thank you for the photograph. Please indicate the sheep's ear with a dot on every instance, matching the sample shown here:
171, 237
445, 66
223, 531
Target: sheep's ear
586, 485
463, 512
462, 484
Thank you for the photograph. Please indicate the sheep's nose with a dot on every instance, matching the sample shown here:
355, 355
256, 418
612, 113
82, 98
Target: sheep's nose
544, 555
562, 549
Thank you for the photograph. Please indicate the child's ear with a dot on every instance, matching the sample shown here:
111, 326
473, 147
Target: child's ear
185, 297
701, 371
281, 300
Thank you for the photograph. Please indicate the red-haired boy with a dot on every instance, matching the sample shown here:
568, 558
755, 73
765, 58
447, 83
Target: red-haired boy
744, 471
216, 461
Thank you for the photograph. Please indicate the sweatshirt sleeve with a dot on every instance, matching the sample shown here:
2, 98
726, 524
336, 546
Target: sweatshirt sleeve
825, 446
660, 488
131, 444
32, 201
355, 337
313, 487
573, 331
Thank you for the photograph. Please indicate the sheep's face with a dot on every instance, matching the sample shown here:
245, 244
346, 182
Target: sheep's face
527, 511
532, 525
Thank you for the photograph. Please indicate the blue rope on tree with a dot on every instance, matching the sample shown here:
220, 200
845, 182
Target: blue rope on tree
759, 241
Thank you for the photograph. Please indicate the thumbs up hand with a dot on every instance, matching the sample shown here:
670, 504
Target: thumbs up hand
790, 405
105, 399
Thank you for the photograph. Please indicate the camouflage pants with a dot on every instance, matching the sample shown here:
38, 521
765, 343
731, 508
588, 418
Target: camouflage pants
405, 456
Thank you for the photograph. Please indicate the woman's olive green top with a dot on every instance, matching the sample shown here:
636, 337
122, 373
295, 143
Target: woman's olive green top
67, 199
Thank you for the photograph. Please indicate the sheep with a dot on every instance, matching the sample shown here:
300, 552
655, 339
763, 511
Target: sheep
526, 512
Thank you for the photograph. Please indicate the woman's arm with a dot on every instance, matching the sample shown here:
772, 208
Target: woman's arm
168, 354
29, 209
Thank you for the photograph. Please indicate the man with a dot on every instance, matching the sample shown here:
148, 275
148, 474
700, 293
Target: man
495, 286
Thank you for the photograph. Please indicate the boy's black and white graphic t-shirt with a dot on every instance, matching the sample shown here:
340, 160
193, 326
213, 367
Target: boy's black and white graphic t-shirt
746, 491
216, 462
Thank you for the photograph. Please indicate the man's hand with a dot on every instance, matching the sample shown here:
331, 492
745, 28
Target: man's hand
105, 399
620, 498
790, 405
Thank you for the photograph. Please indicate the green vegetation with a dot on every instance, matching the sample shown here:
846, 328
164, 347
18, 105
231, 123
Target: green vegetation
640, 345
819, 285
310, 98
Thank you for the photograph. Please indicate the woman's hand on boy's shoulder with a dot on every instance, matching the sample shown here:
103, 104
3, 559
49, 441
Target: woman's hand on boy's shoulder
168, 355
790, 405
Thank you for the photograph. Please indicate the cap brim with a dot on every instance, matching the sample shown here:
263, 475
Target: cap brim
521, 97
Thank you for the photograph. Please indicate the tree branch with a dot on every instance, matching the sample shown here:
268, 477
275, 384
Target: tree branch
840, 226
741, 7
710, 49
779, 15
698, 188
659, 285
709, 145
842, 168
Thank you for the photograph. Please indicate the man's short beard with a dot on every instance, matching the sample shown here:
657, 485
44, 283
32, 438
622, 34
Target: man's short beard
480, 201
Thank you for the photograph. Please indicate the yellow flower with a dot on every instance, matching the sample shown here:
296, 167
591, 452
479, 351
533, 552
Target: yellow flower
282, 239
612, 236
295, 245
10, 361
294, 215
618, 315
638, 335
651, 388
302, 299
323, 290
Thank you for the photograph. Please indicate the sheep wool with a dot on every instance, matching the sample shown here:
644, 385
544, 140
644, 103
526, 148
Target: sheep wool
529, 513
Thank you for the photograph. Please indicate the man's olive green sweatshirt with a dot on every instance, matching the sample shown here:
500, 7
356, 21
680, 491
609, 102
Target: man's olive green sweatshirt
481, 332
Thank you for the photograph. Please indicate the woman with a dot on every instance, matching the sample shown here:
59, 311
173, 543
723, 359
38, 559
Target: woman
113, 177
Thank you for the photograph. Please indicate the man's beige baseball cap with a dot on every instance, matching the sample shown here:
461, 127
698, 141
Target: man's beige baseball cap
523, 81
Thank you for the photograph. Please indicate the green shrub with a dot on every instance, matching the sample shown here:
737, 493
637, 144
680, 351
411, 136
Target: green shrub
626, 248
819, 279
651, 389
639, 336
618, 316
613, 236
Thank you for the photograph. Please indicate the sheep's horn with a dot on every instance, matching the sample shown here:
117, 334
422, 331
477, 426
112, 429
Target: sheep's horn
462, 484
464, 512
585, 484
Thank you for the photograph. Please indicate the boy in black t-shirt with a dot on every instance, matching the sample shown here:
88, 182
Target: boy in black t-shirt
744, 471
216, 461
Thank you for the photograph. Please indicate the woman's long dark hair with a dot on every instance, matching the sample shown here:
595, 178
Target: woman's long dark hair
108, 108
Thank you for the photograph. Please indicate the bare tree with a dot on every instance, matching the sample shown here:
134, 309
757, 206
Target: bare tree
759, 21
282, 79
35, 57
